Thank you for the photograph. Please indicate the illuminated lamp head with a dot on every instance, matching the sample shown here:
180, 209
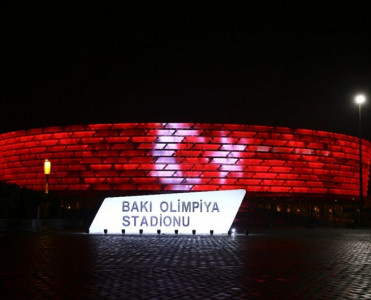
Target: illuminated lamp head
47, 167
359, 99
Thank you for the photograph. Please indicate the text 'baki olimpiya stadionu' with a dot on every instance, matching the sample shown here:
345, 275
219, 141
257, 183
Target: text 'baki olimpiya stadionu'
263, 160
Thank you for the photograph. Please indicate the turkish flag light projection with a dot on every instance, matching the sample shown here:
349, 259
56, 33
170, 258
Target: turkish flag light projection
186, 157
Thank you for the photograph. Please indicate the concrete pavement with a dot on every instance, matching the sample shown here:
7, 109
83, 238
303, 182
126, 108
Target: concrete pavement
292, 263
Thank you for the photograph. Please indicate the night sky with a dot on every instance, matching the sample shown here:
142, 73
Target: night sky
282, 64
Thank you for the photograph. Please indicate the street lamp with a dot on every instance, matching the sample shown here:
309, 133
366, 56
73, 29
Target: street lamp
360, 99
47, 167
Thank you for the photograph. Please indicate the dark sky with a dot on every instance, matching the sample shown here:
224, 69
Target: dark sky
293, 63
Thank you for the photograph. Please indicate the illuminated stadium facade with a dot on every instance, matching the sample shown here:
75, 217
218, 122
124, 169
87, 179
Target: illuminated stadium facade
268, 162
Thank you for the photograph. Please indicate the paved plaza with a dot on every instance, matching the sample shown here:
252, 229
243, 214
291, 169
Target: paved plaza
267, 264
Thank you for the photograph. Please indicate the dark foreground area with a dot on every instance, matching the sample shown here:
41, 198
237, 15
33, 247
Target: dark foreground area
268, 264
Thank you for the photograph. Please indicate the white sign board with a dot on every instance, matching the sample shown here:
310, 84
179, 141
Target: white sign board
185, 212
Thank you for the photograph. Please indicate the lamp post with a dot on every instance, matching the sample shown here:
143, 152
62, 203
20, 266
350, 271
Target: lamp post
360, 99
47, 167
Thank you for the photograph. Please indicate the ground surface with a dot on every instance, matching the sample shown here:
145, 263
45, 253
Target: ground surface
267, 264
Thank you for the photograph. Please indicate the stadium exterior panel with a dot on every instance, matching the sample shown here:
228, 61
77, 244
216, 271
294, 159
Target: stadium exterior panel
263, 160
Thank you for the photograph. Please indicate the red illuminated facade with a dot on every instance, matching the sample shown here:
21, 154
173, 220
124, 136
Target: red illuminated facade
186, 157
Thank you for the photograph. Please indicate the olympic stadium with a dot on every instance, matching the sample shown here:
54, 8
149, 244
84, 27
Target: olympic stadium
295, 173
